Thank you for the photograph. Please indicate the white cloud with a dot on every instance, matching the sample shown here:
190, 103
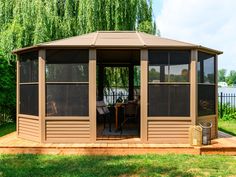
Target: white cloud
211, 23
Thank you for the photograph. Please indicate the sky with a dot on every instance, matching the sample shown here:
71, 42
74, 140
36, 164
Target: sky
211, 23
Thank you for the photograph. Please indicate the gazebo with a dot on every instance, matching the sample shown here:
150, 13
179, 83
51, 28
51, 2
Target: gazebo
59, 83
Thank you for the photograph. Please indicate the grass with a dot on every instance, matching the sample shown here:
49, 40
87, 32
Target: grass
7, 128
138, 165
228, 126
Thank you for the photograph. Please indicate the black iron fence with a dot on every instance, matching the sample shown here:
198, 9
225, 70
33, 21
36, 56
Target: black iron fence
226, 103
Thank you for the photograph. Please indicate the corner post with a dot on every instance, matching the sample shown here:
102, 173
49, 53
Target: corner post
41, 90
144, 95
92, 94
17, 92
216, 96
193, 87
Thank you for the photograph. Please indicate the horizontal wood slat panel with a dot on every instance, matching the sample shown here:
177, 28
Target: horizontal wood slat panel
169, 122
22, 119
34, 126
61, 122
68, 136
168, 131
67, 131
168, 126
70, 126
28, 128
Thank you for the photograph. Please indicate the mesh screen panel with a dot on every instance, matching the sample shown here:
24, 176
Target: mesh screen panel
29, 67
179, 100
206, 100
168, 100
67, 72
67, 100
29, 99
158, 100
67, 56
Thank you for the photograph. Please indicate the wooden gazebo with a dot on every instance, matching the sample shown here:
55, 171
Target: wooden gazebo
178, 86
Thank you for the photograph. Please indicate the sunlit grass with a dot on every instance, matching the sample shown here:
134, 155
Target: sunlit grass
138, 165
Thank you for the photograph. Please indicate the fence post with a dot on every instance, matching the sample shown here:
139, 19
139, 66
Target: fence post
221, 104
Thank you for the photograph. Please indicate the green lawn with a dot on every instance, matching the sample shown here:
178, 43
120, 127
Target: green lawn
138, 165
228, 126
7, 128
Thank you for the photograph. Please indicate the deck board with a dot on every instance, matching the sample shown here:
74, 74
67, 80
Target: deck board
11, 144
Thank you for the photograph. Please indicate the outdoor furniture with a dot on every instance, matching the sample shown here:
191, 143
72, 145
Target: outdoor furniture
131, 112
103, 111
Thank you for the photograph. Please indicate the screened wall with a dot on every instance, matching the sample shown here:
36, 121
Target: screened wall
28, 83
67, 82
206, 84
168, 83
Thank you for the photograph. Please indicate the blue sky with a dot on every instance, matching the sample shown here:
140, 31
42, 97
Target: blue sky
211, 23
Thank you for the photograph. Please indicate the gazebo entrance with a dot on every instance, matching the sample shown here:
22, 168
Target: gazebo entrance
118, 94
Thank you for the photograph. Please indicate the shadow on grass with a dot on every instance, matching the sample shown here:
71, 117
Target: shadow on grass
7, 128
226, 131
41, 165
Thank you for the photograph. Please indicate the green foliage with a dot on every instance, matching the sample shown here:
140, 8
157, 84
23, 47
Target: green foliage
28, 22
222, 75
227, 112
230, 78
7, 128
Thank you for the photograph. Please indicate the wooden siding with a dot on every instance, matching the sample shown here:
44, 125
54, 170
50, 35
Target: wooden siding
68, 131
28, 128
209, 119
168, 131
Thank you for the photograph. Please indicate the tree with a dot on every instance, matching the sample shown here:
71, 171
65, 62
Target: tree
28, 22
222, 75
231, 79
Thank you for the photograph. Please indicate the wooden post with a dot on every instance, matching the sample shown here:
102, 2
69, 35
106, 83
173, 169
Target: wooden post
193, 87
143, 94
216, 96
131, 82
41, 90
17, 93
92, 94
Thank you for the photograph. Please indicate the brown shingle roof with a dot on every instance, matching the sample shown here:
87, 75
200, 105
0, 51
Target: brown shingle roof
116, 39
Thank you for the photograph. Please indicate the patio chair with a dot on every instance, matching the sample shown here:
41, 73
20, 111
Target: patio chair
104, 112
131, 112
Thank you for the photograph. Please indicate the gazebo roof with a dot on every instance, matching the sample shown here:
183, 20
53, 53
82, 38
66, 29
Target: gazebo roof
117, 39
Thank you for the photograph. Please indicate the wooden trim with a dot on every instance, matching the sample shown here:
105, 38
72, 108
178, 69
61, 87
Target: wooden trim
206, 117
64, 118
143, 94
28, 116
216, 95
29, 83
67, 82
17, 93
42, 102
169, 83
92, 94
169, 118
193, 87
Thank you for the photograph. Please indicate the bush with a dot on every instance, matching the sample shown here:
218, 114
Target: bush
7, 90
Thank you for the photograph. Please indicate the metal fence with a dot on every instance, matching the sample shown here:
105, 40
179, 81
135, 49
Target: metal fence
226, 103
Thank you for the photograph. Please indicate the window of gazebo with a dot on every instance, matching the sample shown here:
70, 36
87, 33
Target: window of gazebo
168, 83
28, 83
206, 84
67, 82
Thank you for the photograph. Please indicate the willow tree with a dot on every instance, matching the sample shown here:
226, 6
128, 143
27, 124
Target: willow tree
28, 22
